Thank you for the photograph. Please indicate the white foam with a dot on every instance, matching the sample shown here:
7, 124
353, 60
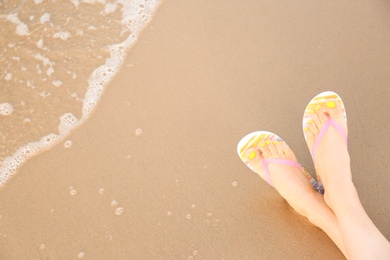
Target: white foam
119, 211
13, 18
40, 43
21, 28
49, 71
67, 122
45, 18
45, 61
57, 83
62, 35
76, 3
93, 1
110, 8
6, 109
8, 76
135, 15
12, 163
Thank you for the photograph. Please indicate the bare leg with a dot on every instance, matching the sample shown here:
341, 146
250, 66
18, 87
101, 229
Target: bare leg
293, 185
361, 238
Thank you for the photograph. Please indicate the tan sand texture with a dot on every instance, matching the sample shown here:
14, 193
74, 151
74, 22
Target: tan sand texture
203, 75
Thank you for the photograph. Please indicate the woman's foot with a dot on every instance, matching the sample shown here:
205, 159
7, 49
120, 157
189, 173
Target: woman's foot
290, 181
361, 238
272, 159
330, 154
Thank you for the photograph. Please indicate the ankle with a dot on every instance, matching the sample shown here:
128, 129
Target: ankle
317, 212
342, 193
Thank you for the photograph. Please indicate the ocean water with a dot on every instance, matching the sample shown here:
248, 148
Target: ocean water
56, 59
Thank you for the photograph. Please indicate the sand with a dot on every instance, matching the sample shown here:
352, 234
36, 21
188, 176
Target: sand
203, 75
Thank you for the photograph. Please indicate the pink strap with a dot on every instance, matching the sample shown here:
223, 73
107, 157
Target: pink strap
278, 161
328, 123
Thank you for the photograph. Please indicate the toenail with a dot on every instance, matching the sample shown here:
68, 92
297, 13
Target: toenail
275, 142
268, 142
331, 104
310, 121
262, 144
281, 142
312, 111
317, 108
306, 129
252, 155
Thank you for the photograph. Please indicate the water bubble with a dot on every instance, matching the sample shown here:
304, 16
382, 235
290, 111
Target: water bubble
81, 255
6, 109
8, 77
209, 214
193, 206
190, 257
62, 35
72, 191
205, 166
234, 184
195, 252
45, 18
101, 191
169, 213
138, 131
68, 144
42, 246
188, 216
119, 211
57, 83
114, 203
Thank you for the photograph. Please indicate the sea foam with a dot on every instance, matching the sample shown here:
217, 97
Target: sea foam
54, 69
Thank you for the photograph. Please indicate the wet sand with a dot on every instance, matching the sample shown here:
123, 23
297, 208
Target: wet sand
203, 75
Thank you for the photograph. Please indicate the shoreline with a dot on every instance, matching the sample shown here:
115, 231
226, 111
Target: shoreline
197, 81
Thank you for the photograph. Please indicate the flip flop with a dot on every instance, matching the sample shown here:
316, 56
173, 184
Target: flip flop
313, 105
252, 141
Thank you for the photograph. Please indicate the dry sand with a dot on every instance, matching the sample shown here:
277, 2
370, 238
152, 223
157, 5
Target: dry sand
203, 75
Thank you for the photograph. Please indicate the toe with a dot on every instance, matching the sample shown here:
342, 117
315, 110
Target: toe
279, 147
273, 150
253, 159
310, 137
316, 124
264, 149
252, 156
335, 111
311, 127
289, 155
322, 115
333, 107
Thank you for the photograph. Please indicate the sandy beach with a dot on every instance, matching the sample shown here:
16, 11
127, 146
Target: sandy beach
154, 172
